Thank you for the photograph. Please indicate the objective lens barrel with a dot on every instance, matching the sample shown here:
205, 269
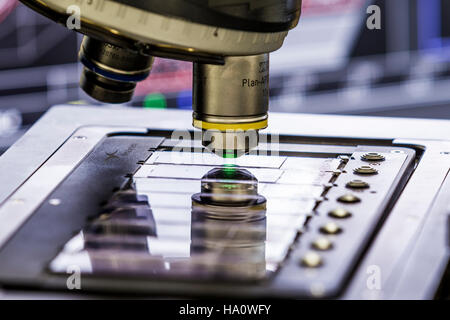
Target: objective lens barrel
110, 72
231, 100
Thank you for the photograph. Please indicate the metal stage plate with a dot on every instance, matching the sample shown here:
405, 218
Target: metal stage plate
196, 218
133, 214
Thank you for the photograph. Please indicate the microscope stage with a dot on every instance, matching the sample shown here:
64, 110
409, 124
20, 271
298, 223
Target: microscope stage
138, 212
288, 220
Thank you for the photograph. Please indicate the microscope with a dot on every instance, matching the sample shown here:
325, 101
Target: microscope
229, 42
347, 207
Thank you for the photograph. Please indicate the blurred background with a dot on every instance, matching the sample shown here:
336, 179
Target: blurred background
332, 63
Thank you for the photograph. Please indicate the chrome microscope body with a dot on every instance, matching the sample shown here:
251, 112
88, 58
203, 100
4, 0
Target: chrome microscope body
228, 41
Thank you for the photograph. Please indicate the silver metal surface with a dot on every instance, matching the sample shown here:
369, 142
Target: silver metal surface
240, 88
16, 209
402, 228
224, 96
351, 231
225, 223
148, 27
427, 253
395, 241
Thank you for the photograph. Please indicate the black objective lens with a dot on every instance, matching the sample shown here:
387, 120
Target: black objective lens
110, 72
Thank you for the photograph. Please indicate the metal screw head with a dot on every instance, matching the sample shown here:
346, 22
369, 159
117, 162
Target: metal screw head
322, 244
372, 156
349, 198
340, 213
357, 184
330, 228
365, 170
312, 260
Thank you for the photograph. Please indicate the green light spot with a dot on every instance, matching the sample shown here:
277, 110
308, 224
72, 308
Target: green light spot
155, 101
229, 172
229, 186
229, 154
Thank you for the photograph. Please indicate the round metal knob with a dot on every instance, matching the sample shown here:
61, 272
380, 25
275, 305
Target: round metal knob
365, 170
372, 156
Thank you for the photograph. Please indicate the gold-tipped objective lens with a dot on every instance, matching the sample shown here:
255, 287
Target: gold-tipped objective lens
231, 102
